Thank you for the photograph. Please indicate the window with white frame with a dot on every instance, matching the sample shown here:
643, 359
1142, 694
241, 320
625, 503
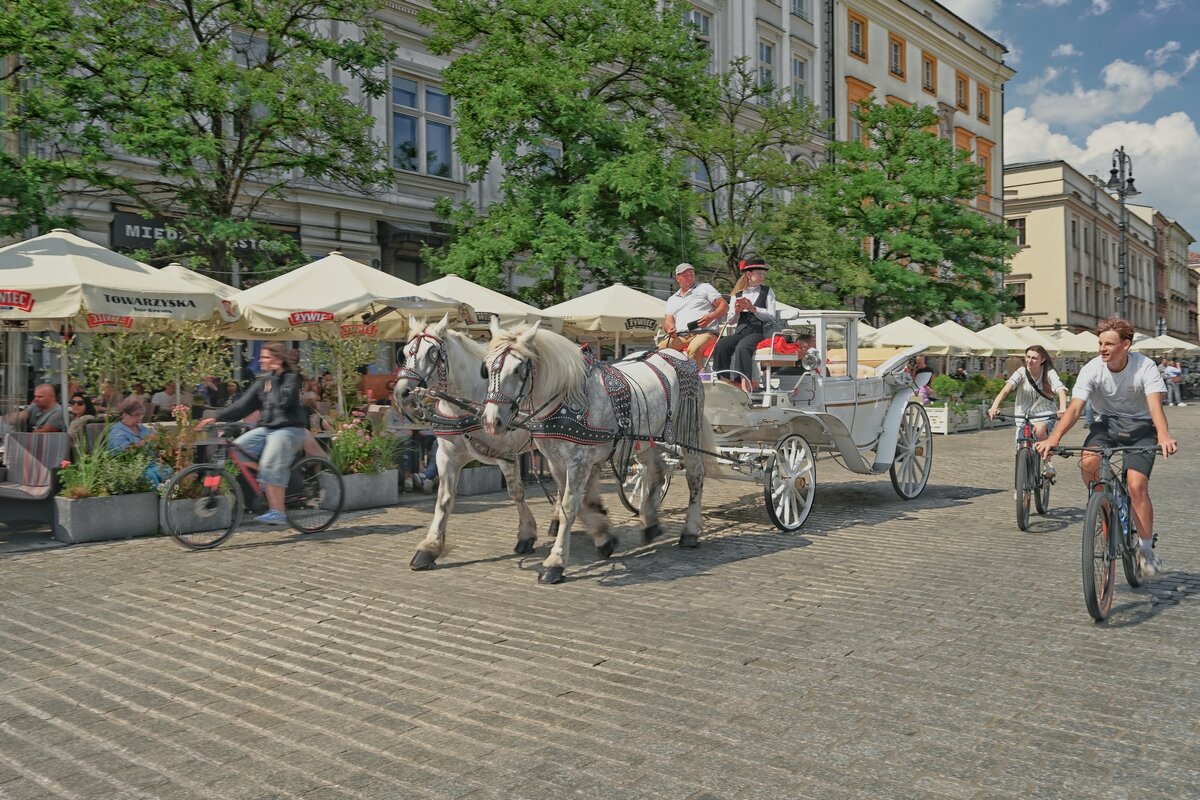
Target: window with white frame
422, 128
800, 8
799, 80
701, 21
766, 63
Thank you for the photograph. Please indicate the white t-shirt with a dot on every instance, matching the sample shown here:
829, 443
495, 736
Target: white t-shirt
751, 293
1029, 402
1170, 372
1120, 394
693, 305
163, 401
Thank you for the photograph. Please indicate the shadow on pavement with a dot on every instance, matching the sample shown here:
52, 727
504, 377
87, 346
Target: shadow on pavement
1154, 597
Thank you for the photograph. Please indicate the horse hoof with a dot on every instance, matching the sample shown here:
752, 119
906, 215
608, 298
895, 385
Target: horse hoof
422, 560
605, 550
651, 533
525, 546
689, 540
550, 576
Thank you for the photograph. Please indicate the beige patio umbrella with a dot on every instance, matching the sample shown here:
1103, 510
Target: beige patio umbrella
60, 278
616, 311
964, 339
63, 282
489, 303
1162, 345
193, 278
1072, 342
334, 292
907, 332
1004, 340
1033, 336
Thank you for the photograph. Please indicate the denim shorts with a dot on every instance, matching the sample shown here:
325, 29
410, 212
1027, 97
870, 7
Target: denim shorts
274, 448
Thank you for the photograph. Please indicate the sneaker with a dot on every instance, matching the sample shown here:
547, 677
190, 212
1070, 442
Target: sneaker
1152, 565
1181, 404
1048, 470
272, 518
427, 486
416, 482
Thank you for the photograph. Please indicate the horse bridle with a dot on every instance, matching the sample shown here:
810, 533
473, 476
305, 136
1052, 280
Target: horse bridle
441, 366
525, 370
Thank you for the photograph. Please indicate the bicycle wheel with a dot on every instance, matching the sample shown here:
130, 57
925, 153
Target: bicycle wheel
314, 495
1129, 556
201, 506
1041, 488
1098, 570
1023, 481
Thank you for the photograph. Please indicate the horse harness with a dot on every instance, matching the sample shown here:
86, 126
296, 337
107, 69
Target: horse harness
441, 366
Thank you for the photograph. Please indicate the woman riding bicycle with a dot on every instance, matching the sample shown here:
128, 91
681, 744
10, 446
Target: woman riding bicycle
281, 427
1037, 385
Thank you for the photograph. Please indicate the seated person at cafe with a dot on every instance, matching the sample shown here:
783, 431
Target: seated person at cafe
132, 434
43, 415
163, 403
82, 412
691, 312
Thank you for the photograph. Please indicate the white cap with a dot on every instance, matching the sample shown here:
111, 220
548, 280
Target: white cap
684, 267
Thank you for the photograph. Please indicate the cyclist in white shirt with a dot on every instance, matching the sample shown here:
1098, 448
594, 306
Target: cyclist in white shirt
1037, 385
1126, 390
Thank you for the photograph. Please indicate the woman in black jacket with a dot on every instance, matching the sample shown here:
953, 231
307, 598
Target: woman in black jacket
281, 426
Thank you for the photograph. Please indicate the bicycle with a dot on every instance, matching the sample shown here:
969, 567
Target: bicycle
203, 504
1108, 511
1028, 479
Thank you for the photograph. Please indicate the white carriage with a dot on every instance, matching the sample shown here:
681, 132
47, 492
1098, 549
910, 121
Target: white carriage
824, 406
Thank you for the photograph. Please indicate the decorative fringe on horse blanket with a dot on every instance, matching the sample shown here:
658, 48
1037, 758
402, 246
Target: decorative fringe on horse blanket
681, 428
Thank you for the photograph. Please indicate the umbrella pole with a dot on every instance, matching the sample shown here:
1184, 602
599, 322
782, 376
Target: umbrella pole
617, 347
62, 365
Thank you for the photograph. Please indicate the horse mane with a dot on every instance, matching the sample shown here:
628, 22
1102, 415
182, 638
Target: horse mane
464, 379
561, 368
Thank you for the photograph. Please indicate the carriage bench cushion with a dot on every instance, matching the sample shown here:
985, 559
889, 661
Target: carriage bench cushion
32, 460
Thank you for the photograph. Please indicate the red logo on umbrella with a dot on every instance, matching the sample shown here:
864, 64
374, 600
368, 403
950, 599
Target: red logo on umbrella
108, 320
309, 317
356, 329
16, 298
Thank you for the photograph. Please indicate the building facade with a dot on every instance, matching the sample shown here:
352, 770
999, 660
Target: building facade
1066, 273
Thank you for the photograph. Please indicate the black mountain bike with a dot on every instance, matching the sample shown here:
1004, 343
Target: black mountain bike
1109, 531
202, 505
1028, 480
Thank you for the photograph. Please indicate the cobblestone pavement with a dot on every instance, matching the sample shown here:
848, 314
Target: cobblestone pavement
890, 649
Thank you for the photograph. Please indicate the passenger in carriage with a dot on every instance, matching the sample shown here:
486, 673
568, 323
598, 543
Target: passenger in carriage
755, 313
691, 314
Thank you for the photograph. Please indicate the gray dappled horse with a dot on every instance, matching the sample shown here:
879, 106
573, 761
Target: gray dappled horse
445, 360
582, 414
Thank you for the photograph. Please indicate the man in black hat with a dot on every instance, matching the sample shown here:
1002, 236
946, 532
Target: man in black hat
752, 312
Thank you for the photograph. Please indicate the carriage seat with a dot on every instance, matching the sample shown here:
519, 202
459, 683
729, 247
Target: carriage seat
779, 351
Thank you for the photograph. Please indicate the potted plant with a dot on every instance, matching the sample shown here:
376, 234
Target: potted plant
105, 495
366, 457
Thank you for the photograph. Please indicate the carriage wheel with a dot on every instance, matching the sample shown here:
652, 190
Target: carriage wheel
914, 453
632, 490
790, 482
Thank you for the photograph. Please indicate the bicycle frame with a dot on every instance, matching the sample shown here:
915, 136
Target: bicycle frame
227, 450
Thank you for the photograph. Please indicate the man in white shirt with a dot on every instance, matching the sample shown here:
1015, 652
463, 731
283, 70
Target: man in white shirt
691, 313
1126, 390
1172, 375
163, 402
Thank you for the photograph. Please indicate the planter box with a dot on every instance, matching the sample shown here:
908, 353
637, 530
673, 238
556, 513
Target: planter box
480, 480
371, 489
186, 520
943, 420
97, 519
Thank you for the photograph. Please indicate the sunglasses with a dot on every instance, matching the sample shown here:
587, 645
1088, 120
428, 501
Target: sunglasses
77, 403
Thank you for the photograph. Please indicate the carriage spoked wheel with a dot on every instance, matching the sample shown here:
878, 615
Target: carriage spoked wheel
790, 482
632, 490
914, 453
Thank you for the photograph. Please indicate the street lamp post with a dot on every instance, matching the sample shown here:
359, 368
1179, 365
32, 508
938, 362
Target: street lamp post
1120, 181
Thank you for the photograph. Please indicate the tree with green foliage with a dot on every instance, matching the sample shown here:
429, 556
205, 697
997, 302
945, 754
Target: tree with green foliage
201, 111
572, 99
744, 162
907, 193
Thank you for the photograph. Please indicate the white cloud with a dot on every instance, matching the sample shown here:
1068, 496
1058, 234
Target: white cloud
1034, 86
1159, 57
1054, 3
979, 13
1101, 6
1127, 89
1067, 49
1162, 151
1165, 5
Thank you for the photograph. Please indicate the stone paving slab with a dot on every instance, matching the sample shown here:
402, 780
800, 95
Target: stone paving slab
925, 649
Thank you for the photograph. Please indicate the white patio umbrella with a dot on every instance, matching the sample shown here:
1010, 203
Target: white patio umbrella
964, 339
203, 282
1004, 340
60, 282
1072, 343
1033, 336
1164, 344
907, 332
613, 311
489, 303
334, 291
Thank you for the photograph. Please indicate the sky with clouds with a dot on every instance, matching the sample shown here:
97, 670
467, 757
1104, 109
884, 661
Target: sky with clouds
1093, 75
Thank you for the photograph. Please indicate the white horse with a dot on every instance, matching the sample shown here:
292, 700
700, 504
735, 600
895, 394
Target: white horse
445, 360
582, 414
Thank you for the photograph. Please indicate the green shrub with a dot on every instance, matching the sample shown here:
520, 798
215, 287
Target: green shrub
944, 387
357, 447
100, 472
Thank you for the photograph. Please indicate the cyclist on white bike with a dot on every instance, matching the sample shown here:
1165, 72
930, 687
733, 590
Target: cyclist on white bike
1126, 389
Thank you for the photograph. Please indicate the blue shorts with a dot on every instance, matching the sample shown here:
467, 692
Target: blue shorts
274, 448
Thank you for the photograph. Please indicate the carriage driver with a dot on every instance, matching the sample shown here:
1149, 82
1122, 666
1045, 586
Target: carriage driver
690, 313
